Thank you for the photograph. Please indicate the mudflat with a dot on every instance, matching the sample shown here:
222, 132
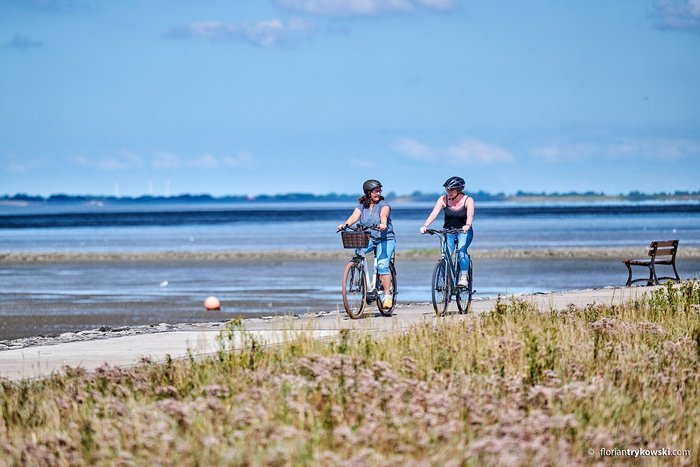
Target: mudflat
689, 253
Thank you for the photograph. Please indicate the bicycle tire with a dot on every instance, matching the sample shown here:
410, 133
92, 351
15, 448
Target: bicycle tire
465, 293
394, 292
354, 290
440, 288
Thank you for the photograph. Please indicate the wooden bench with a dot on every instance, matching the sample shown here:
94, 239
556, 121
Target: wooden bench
659, 253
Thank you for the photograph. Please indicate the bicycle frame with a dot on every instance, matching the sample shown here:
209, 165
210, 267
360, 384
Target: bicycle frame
453, 269
360, 258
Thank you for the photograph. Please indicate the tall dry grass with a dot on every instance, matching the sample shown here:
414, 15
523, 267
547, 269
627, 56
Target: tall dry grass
513, 386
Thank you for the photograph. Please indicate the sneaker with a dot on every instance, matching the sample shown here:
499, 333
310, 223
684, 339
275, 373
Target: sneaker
463, 281
388, 302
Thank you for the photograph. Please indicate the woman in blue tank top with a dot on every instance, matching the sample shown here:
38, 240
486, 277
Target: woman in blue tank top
458, 209
373, 210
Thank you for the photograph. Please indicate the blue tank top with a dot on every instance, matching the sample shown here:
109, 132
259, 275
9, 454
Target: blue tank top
368, 218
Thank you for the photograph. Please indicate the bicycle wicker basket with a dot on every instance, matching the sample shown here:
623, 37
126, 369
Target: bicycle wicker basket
355, 239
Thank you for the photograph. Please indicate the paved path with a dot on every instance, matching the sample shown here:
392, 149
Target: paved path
40, 361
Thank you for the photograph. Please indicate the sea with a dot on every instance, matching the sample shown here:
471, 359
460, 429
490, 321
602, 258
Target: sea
38, 297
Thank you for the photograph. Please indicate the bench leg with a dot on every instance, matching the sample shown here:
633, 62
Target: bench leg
678, 279
652, 276
629, 275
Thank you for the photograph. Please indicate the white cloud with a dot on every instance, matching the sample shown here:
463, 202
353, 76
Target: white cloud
548, 153
414, 149
127, 160
365, 7
621, 148
678, 148
467, 151
53, 5
470, 151
205, 161
13, 164
165, 160
264, 33
347, 7
681, 15
441, 5
242, 160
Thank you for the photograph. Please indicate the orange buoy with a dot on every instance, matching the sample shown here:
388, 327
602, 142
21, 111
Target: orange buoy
212, 303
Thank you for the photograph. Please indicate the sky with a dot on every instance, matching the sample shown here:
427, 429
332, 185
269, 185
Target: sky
245, 97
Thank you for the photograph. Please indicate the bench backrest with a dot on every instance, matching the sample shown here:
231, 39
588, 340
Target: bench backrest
665, 248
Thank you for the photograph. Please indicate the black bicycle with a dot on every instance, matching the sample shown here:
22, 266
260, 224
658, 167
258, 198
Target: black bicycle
358, 275
446, 275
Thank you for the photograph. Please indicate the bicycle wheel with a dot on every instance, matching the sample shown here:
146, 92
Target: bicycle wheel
394, 293
441, 288
354, 290
464, 294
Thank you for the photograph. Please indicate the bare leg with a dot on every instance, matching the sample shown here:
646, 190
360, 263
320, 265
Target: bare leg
386, 284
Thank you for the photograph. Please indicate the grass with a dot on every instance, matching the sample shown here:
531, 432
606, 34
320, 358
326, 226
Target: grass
515, 385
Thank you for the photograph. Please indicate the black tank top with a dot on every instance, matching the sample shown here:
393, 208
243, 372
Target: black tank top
455, 218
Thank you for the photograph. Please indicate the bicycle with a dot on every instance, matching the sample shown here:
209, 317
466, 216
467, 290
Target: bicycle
357, 275
446, 275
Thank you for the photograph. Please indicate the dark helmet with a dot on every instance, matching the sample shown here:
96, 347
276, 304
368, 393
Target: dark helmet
454, 183
370, 185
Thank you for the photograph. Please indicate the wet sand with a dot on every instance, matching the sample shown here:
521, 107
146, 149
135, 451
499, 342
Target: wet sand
28, 318
320, 255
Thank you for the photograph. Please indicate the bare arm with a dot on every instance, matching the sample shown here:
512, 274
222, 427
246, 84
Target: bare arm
470, 213
354, 217
439, 204
384, 217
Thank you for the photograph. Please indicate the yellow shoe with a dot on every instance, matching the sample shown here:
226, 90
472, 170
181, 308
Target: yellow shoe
388, 302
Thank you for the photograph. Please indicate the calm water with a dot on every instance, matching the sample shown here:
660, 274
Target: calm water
312, 226
76, 296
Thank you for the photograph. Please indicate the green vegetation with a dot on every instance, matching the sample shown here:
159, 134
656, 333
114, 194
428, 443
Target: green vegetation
516, 385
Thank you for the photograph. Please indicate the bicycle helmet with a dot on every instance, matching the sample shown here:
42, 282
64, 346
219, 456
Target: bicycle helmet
454, 183
370, 185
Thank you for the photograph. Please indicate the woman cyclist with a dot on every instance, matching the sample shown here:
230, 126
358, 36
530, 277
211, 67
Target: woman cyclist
373, 210
459, 213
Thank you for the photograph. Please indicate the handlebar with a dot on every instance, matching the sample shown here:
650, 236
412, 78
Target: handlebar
359, 228
443, 231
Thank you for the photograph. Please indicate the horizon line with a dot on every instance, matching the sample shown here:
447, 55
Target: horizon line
311, 196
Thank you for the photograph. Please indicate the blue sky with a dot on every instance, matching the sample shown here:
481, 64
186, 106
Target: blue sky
158, 97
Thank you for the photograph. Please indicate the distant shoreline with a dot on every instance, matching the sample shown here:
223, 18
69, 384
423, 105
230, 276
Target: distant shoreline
23, 200
613, 253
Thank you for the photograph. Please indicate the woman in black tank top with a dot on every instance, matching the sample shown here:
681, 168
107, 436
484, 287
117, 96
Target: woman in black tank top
458, 210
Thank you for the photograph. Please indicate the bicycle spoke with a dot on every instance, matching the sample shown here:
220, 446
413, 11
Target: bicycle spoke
441, 288
464, 294
354, 290
381, 294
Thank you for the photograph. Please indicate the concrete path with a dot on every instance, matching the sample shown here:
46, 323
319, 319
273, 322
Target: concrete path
41, 361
